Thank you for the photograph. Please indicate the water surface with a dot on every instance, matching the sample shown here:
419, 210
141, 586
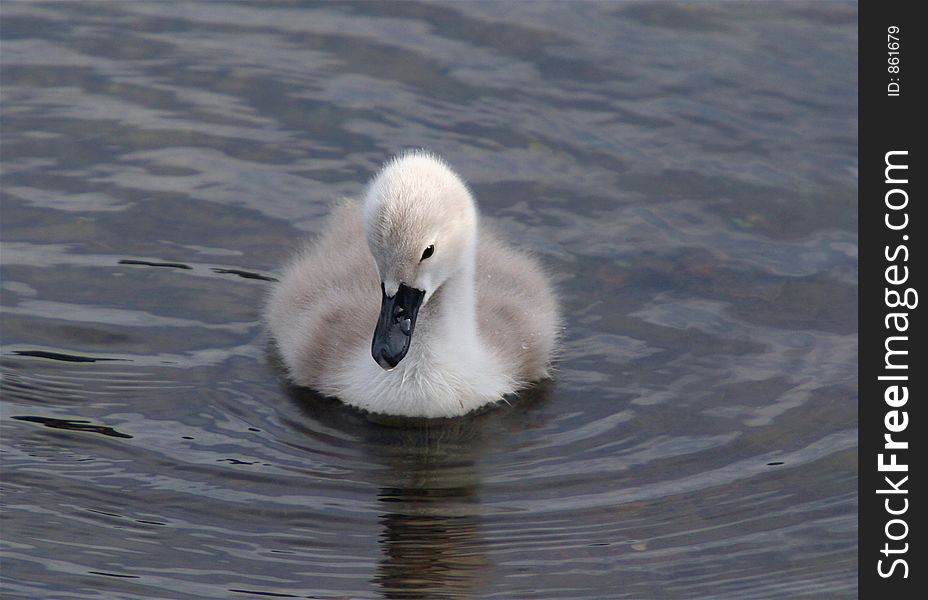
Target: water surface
687, 172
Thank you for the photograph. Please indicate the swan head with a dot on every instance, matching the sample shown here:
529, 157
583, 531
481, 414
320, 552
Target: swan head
420, 223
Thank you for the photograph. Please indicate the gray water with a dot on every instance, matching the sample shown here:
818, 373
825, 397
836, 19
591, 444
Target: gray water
687, 171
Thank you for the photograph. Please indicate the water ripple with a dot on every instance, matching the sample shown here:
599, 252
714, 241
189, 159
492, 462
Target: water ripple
692, 191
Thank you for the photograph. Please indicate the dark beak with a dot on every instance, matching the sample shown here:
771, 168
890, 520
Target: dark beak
395, 325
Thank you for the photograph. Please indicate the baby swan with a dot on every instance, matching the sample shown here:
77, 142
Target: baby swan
400, 307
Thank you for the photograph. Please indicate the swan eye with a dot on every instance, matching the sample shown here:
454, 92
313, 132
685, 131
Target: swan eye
427, 253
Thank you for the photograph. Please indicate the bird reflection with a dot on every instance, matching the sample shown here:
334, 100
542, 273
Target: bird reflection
428, 473
432, 542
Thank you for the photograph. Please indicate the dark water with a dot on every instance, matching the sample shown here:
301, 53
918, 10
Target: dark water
688, 171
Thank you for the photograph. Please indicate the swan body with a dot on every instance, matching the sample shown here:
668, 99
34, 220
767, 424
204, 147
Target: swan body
406, 305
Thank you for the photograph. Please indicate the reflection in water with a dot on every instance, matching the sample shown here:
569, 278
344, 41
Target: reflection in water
431, 542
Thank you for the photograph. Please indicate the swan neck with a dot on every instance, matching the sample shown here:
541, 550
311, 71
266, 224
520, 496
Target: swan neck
458, 310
